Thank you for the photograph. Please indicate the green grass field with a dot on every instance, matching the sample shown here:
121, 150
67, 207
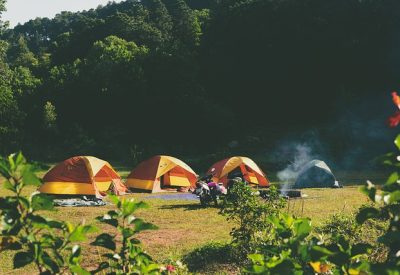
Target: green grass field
184, 225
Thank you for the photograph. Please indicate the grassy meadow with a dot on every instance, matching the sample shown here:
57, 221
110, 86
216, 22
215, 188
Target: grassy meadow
185, 226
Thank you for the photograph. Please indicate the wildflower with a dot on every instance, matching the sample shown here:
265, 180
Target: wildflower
394, 119
396, 99
170, 268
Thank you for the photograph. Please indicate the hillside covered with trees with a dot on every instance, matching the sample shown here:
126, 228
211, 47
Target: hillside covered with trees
184, 77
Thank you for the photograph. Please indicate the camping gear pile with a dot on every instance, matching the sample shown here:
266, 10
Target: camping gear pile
209, 192
76, 202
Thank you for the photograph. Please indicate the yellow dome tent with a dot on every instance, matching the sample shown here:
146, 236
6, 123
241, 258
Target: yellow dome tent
82, 175
161, 173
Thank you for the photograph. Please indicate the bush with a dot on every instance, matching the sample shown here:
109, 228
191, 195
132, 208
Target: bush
129, 257
345, 225
250, 213
53, 246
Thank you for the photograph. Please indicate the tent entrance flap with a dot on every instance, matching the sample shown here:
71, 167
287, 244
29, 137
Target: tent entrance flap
161, 173
252, 178
175, 179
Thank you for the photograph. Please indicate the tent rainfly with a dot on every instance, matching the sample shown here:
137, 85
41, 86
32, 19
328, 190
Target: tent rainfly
316, 174
161, 173
226, 169
82, 175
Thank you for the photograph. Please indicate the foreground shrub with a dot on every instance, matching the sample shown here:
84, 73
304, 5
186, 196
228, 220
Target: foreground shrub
51, 245
346, 225
250, 213
129, 257
387, 205
289, 248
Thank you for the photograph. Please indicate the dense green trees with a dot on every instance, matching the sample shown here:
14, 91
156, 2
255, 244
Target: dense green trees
190, 76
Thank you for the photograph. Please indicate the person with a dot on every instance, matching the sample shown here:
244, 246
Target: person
214, 191
212, 185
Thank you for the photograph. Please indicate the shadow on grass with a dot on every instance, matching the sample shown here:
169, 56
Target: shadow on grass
185, 206
215, 256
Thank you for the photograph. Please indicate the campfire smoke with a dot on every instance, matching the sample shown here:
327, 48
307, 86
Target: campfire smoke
302, 155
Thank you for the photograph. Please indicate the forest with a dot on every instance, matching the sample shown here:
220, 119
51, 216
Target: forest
137, 78
303, 87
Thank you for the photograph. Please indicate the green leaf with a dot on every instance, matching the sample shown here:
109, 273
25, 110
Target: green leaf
76, 269
105, 240
127, 232
24, 202
113, 198
9, 186
113, 214
149, 269
9, 243
141, 225
75, 251
130, 206
397, 142
5, 169
256, 258
42, 202
323, 250
8, 203
11, 163
29, 177
369, 190
20, 159
21, 259
108, 220
365, 214
394, 177
394, 196
49, 263
302, 228
48, 240
79, 233
55, 224
38, 221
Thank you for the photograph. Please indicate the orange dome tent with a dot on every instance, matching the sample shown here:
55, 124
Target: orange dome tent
160, 173
82, 175
225, 169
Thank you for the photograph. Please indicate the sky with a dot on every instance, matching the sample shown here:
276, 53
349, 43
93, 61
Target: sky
21, 11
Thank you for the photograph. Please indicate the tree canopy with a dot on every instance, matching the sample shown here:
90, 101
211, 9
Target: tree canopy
190, 76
